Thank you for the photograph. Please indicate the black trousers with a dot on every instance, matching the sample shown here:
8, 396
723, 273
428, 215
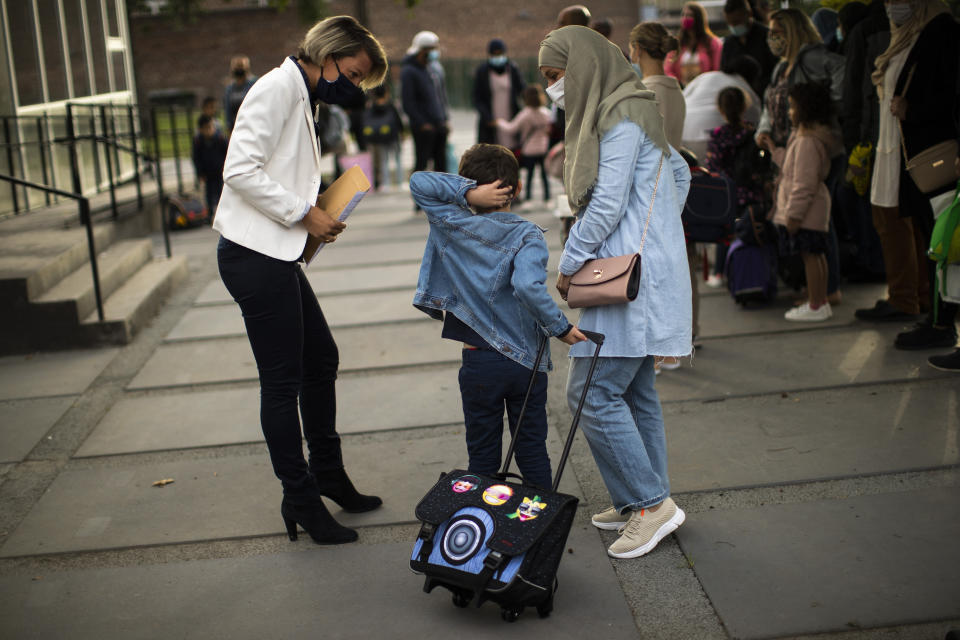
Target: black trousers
297, 360
431, 145
530, 163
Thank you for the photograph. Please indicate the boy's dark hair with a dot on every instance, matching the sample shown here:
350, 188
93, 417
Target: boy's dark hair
811, 103
533, 96
488, 163
203, 120
208, 100
732, 103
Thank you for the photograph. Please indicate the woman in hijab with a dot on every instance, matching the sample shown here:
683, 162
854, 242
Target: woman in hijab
627, 187
916, 81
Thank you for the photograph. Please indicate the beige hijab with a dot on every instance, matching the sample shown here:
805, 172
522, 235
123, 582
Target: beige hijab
600, 91
903, 36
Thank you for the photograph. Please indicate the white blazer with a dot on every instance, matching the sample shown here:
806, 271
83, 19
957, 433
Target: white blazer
272, 168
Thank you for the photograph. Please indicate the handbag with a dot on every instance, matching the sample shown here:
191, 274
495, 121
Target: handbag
932, 168
616, 280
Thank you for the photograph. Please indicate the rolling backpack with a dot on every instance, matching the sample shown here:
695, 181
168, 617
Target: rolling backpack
489, 538
751, 272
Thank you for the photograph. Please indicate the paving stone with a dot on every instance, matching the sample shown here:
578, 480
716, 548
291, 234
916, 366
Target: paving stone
338, 256
51, 374
208, 418
24, 422
333, 282
346, 592
815, 435
340, 311
831, 565
231, 360
786, 362
116, 506
721, 316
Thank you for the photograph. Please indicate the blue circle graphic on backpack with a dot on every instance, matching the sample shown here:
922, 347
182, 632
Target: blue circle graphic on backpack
462, 539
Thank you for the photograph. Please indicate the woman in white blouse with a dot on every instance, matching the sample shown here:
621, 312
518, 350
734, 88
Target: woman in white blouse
271, 181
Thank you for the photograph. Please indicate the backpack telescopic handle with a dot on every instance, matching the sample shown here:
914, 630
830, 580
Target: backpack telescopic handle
597, 339
533, 377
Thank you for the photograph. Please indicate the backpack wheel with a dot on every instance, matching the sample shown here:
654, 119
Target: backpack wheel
510, 615
461, 600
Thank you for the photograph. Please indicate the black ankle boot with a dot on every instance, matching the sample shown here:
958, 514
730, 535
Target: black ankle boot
313, 516
336, 485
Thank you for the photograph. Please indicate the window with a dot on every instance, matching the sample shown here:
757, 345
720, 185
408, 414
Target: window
26, 62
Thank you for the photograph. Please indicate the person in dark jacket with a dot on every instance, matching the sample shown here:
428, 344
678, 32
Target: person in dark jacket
497, 87
209, 153
747, 38
917, 80
424, 100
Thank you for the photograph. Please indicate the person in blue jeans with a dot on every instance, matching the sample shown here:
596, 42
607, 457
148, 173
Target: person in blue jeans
484, 274
627, 187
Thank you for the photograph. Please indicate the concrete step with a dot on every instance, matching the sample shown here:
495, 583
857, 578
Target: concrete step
135, 302
33, 261
116, 265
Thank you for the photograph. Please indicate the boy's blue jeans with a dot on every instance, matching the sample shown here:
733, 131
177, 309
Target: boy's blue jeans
489, 382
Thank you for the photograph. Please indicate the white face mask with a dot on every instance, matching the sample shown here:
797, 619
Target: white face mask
899, 12
555, 92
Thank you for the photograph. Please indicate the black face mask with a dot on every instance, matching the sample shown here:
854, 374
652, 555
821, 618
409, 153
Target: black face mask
239, 73
340, 92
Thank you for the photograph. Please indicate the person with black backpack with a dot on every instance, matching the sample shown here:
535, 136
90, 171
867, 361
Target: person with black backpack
733, 152
380, 131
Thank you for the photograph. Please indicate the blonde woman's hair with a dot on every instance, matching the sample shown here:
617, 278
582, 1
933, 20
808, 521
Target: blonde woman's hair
341, 37
653, 38
798, 31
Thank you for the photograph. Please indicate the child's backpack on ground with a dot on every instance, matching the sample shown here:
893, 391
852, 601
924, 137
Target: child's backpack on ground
710, 212
185, 211
751, 272
487, 538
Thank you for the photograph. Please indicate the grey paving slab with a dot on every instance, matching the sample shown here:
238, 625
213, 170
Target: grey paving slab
793, 361
814, 435
230, 359
333, 282
346, 592
340, 311
721, 316
862, 562
24, 422
51, 374
104, 508
340, 256
5, 468
185, 420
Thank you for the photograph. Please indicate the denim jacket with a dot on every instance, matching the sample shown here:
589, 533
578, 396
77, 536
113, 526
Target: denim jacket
488, 269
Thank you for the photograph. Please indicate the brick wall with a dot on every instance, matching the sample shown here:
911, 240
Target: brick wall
196, 57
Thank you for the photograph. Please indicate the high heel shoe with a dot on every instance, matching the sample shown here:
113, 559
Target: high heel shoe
313, 516
336, 485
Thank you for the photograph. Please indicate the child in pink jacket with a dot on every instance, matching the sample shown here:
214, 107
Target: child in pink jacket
532, 128
801, 209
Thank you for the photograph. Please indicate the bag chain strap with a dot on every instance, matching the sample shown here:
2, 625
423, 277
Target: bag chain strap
656, 183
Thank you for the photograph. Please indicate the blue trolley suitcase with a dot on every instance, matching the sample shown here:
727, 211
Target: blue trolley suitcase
490, 538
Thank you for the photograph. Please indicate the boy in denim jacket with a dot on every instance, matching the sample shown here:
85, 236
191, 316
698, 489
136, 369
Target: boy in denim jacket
484, 274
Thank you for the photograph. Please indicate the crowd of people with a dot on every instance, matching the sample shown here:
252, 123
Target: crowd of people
839, 103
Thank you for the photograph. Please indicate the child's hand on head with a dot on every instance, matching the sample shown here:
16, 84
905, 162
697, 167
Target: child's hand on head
489, 196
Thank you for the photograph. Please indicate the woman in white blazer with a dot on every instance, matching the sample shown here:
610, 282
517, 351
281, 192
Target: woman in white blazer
271, 180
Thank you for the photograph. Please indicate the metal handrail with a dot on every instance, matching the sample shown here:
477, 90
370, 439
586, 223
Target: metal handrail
87, 221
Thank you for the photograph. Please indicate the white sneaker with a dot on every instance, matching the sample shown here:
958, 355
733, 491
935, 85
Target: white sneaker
715, 281
804, 313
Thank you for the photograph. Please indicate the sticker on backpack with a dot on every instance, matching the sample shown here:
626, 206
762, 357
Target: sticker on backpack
529, 509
